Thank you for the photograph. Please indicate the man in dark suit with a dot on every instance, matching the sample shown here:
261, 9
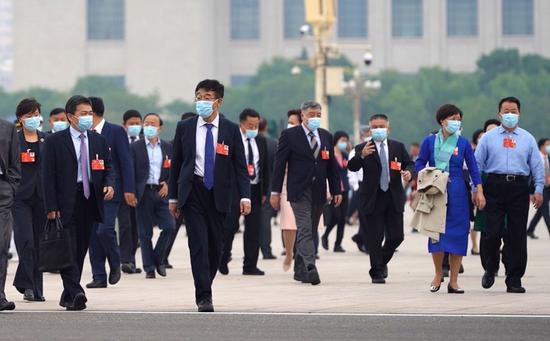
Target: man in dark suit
385, 164
77, 177
152, 157
255, 148
10, 177
267, 210
127, 225
308, 152
208, 159
103, 241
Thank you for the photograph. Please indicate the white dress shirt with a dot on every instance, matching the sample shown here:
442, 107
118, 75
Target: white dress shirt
354, 178
200, 142
316, 133
75, 135
99, 127
256, 156
154, 152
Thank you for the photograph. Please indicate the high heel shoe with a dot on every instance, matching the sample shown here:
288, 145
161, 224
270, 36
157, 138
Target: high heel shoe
434, 288
452, 290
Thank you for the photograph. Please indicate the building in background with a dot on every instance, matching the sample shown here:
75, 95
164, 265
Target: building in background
167, 46
6, 44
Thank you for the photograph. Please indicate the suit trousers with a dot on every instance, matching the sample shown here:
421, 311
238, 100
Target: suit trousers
336, 216
510, 200
153, 209
128, 233
84, 216
29, 217
179, 222
384, 222
104, 243
205, 225
542, 212
307, 214
6, 225
265, 228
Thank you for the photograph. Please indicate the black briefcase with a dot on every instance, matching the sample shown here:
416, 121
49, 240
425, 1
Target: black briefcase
55, 250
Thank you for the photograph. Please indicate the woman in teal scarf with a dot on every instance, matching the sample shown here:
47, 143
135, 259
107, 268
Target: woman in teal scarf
448, 151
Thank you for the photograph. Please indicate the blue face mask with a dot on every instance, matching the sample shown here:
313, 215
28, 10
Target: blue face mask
85, 122
548, 149
32, 123
250, 134
289, 125
204, 108
453, 126
379, 134
510, 120
343, 146
60, 126
314, 123
150, 132
134, 130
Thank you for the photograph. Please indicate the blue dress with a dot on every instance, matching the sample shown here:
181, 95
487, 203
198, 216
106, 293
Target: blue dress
457, 224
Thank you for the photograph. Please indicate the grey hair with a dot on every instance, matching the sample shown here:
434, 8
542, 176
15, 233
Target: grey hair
365, 128
310, 105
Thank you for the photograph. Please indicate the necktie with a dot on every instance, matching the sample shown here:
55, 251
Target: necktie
313, 144
252, 174
84, 166
209, 158
384, 176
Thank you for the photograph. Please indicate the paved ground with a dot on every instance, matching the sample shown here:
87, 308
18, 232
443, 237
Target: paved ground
345, 286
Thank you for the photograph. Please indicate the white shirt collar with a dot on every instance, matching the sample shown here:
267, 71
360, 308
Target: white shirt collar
75, 133
307, 131
148, 143
215, 123
99, 127
385, 142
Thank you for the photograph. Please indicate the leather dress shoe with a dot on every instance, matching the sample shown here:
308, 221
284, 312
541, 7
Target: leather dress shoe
312, 276
298, 277
253, 272
28, 295
161, 270
150, 275
224, 270
167, 265
130, 268
378, 281
78, 303
96, 284
324, 242
205, 306
488, 280
532, 235
339, 248
6, 305
516, 290
452, 290
114, 276
269, 256
357, 241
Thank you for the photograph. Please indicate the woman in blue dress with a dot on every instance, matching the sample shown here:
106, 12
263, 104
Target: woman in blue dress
447, 151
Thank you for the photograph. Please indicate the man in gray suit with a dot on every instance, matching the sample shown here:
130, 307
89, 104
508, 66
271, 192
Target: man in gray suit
10, 176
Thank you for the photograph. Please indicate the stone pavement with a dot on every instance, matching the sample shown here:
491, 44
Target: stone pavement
345, 287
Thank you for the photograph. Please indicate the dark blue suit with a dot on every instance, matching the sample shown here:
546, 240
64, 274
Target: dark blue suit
103, 242
63, 193
205, 210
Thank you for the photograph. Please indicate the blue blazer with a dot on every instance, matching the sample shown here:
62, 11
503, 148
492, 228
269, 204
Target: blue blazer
123, 169
142, 164
31, 180
60, 171
228, 170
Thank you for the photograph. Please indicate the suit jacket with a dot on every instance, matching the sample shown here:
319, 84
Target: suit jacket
142, 165
9, 155
372, 169
304, 170
117, 140
271, 150
60, 171
31, 179
228, 170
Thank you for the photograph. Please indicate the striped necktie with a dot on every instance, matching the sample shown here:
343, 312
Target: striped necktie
314, 145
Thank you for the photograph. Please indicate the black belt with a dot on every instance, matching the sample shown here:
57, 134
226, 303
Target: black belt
153, 187
507, 177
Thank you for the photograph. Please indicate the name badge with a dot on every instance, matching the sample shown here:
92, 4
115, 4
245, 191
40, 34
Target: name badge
509, 143
324, 154
98, 164
250, 170
167, 163
455, 153
395, 166
222, 149
28, 157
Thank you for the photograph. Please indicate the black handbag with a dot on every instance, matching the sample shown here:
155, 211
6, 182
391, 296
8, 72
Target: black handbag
55, 247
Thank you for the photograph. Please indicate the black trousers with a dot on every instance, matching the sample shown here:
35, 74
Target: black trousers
510, 200
384, 222
172, 240
542, 212
204, 224
265, 228
29, 219
336, 216
85, 215
128, 233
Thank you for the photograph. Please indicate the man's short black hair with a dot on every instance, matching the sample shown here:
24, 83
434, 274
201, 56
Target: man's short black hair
263, 124
295, 112
26, 106
132, 113
248, 112
211, 85
75, 101
476, 135
97, 106
489, 122
542, 142
510, 99
187, 115
154, 114
378, 116
57, 111
447, 110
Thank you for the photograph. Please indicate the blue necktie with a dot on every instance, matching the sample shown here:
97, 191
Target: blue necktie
385, 175
209, 158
